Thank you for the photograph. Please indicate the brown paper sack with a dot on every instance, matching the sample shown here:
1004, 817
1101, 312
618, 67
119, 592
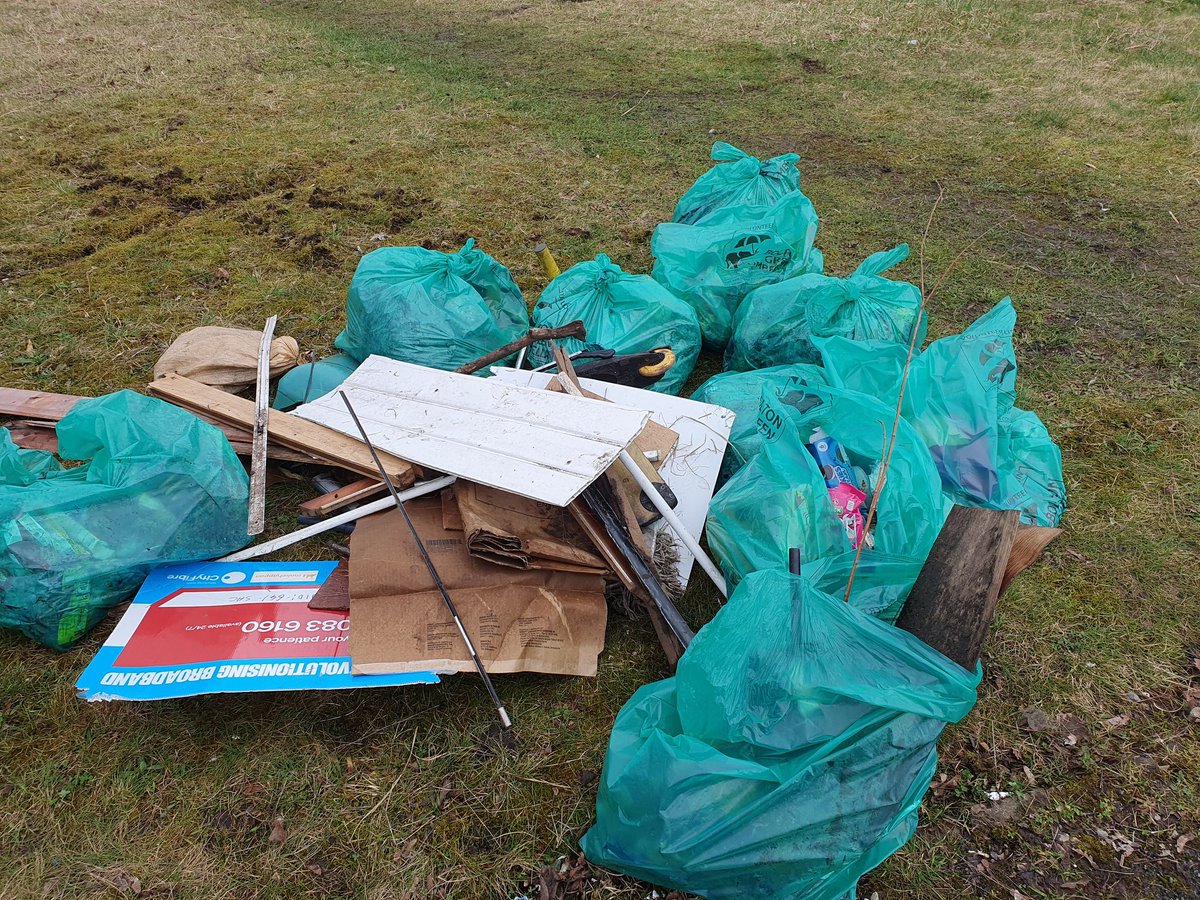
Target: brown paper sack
520, 621
510, 530
226, 358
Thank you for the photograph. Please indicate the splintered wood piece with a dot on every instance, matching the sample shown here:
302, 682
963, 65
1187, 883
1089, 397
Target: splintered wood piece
323, 444
323, 505
258, 452
954, 600
1031, 540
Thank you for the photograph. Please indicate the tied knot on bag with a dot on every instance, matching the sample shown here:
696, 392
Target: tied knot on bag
607, 271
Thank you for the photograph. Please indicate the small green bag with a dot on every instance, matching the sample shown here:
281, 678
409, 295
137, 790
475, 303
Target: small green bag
313, 380
959, 397
622, 312
157, 486
742, 393
779, 498
740, 179
786, 758
776, 323
441, 310
716, 262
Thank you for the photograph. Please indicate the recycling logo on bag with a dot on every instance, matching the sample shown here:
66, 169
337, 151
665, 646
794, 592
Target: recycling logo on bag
762, 252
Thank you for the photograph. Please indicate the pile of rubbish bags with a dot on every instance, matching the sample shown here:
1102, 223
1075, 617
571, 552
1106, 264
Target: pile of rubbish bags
790, 752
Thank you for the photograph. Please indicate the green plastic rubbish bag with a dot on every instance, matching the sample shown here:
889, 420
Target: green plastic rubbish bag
776, 323
622, 312
441, 310
742, 393
316, 379
787, 757
779, 498
881, 583
960, 398
157, 486
714, 263
740, 179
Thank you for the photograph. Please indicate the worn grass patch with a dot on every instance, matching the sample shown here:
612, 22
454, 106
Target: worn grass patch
165, 165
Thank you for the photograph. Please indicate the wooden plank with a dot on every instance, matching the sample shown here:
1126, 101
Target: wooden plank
39, 433
35, 404
324, 444
954, 600
323, 505
257, 517
544, 446
33, 435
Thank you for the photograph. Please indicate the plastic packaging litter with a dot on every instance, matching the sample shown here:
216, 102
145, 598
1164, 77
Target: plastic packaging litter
158, 486
739, 179
843, 485
622, 312
780, 499
742, 393
441, 310
315, 379
786, 758
715, 263
776, 323
960, 397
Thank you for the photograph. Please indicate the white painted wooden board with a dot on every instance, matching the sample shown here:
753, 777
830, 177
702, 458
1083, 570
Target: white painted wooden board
534, 443
691, 469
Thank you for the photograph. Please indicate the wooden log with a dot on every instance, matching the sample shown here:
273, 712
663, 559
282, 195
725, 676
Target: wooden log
954, 600
324, 444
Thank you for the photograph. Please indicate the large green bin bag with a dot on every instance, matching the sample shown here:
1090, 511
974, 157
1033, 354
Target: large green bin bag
313, 380
739, 179
742, 393
776, 323
441, 310
959, 398
715, 263
622, 312
786, 758
158, 486
779, 499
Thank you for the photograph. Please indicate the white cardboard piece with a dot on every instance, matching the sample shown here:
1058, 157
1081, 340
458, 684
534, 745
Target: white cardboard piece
544, 446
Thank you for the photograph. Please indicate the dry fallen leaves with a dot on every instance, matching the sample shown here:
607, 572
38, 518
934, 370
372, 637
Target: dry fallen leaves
278, 835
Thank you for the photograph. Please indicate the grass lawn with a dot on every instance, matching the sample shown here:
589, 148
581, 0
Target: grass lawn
167, 164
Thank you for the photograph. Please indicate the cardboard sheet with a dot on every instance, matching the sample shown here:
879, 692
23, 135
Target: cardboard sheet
514, 531
520, 621
207, 628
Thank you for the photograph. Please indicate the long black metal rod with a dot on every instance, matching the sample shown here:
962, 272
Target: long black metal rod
433, 572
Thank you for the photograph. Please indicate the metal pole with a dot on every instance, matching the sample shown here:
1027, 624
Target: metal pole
433, 572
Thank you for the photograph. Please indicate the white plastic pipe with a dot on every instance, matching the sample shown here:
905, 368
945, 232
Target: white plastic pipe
677, 526
417, 490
